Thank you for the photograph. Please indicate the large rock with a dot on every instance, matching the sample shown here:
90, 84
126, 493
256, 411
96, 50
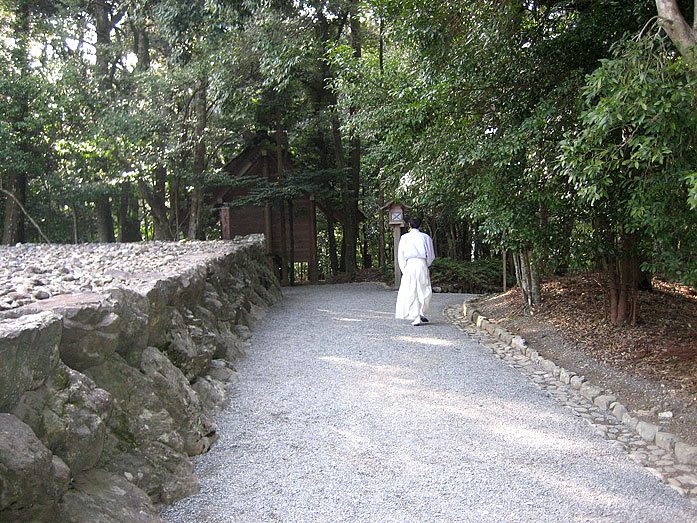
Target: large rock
133, 308
196, 427
101, 497
188, 343
91, 332
28, 355
32, 480
143, 438
69, 414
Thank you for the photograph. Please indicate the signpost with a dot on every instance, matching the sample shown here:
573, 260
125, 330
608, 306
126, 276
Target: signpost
396, 214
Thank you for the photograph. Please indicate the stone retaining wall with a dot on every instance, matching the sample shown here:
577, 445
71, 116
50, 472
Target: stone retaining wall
105, 396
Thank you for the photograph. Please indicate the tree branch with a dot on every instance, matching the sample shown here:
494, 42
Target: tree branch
19, 204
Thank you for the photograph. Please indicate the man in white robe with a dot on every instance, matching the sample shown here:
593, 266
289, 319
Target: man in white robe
415, 255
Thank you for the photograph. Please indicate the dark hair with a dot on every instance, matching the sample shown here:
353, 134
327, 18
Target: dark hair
415, 223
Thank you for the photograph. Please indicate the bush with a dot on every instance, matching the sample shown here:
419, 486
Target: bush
476, 276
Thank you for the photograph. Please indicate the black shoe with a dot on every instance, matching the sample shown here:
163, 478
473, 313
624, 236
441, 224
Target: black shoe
424, 319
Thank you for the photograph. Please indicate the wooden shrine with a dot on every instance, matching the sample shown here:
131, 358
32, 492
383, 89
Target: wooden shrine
289, 239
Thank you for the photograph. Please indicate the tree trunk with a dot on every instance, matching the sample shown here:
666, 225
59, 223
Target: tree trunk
518, 271
13, 225
331, 244
525, 280
195, 231
105, 220
291, 238
535, 294
156, 201
73, 212
623, 274
679, 31
381, 229
129, 222
352, 222
285, 278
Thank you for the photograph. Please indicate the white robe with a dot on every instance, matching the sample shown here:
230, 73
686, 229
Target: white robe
415, 255
414, 296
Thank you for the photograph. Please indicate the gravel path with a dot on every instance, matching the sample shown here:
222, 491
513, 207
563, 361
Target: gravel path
344, 414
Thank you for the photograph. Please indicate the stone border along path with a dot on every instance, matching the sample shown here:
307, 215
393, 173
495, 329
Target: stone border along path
662, 453
343, 414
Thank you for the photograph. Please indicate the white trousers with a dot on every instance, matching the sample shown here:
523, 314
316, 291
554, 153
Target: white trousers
414, 296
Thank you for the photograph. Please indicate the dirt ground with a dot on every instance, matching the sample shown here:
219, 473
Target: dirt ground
650, 367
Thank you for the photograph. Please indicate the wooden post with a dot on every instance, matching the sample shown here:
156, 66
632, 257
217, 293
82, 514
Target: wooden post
396, 234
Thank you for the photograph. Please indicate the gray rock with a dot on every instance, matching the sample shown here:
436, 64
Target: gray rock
666, 440
589, 391
74, 422
619, 411
101, 497
28, 369
196, 427
143, 438
32, 480
646, 430
686, 453
604, 401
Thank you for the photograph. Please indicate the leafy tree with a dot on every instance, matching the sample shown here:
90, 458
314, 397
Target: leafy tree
631, 162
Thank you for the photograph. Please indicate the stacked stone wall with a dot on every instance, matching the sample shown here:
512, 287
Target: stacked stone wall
104, 396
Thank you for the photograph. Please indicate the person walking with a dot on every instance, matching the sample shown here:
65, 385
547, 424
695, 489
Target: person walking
415, 255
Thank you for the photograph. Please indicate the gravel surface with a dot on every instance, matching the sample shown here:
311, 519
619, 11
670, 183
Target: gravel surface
32, 272
344, 414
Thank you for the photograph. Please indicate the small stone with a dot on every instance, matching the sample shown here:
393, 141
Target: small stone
604, 401
630, 421
686, 453
41, 294
565, 376
666, 440
619, 411
590, 392
665, 415
647, 430
577, 381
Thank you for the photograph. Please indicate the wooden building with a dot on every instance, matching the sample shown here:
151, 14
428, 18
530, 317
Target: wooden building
290, 227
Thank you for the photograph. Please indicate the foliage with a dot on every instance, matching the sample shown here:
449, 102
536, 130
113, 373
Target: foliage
468, 276
632, 156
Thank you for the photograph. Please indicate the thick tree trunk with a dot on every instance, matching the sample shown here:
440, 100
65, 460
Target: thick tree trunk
331, 245
105, 220
679, 31
156, 201
129, 222
13, 225
352, 223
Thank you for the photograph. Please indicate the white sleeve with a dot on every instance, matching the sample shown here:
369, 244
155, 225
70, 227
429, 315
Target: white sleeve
430, 253
400, 255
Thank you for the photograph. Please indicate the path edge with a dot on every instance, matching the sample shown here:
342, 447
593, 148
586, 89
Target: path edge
602, 398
